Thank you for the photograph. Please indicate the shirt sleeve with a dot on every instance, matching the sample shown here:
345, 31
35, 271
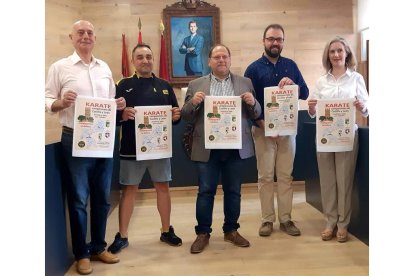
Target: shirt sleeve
52, 88
362, 94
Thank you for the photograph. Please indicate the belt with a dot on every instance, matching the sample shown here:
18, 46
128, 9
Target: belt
68, 130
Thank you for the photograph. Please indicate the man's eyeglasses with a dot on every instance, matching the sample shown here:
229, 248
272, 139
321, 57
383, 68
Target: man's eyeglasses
220, 57
279, 40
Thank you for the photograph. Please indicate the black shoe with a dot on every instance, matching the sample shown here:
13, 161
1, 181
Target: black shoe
170, 237
118, 244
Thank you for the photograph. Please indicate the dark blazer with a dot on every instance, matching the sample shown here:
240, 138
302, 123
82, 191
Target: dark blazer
193, 59
195, 115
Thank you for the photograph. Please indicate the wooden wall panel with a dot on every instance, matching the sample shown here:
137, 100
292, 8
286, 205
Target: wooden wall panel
60, 15
308, 26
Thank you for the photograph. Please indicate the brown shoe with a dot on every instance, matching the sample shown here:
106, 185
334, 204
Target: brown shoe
342, 235
328, 233
84, 267
290, 228
200, 243
106, 257
266, 229
235, 238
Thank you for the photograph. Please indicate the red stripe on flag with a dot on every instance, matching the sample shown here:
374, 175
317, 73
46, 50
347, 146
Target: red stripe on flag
139, 38
163, 60
125, 61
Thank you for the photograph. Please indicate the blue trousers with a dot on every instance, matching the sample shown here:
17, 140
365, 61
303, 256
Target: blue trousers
229, 164
89, 177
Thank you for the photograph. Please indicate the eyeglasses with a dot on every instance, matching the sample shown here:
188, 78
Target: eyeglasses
272, 40
217, 58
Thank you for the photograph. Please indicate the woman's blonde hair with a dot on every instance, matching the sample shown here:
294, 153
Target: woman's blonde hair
350, 60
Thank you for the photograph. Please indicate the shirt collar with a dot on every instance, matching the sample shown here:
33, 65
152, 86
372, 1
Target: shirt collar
212, 77
347, 73
75, 58
139, 77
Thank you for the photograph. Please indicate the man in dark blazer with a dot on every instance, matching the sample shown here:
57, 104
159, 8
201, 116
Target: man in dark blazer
225, 162
192, 46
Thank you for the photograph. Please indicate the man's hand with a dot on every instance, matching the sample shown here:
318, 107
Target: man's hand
312, 106
248, 98
176, 113
66, 101
120, 103
198, 98
68, 98
285, 81
128, 114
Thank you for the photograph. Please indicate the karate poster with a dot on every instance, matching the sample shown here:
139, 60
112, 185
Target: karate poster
222, 122
335, 122
94, 127
153, 132
281, 110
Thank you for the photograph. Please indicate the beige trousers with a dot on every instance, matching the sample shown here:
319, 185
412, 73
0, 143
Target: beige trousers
274, 155
336, 173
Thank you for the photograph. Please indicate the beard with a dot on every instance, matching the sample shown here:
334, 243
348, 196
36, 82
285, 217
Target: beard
273, 54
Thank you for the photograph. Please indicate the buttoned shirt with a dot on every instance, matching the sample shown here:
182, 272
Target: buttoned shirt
350, 85
71, 73
264, 73
220, 87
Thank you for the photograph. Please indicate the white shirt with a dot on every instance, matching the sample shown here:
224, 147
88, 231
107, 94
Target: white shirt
350, 85
71, 73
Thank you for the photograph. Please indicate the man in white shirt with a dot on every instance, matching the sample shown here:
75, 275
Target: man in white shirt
83, 74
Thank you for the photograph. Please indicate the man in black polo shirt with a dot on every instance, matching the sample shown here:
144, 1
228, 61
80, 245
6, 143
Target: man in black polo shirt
143, 89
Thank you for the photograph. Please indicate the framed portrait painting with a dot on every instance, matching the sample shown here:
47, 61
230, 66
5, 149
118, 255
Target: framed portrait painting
192, 27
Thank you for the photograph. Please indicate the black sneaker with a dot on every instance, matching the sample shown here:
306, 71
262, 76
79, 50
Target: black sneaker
118, 244
170, 237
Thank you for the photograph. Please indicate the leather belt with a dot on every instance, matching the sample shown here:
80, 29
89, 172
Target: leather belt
68, 130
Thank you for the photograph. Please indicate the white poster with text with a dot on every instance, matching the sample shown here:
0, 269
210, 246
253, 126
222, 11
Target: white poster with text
153, 132
222, 122
281, 110
335, 124
94, 127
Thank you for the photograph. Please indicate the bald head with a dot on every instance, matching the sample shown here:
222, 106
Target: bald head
82, 22
83, 36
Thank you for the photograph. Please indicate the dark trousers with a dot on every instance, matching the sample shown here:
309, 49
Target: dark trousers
90, 177
229, 164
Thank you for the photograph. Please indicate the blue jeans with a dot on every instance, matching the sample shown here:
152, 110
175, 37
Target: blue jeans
229, 164
88, 177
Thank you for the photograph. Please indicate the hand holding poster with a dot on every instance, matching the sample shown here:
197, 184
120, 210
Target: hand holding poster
94, 127
153, 130
281, 110
335, 122
222, 122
